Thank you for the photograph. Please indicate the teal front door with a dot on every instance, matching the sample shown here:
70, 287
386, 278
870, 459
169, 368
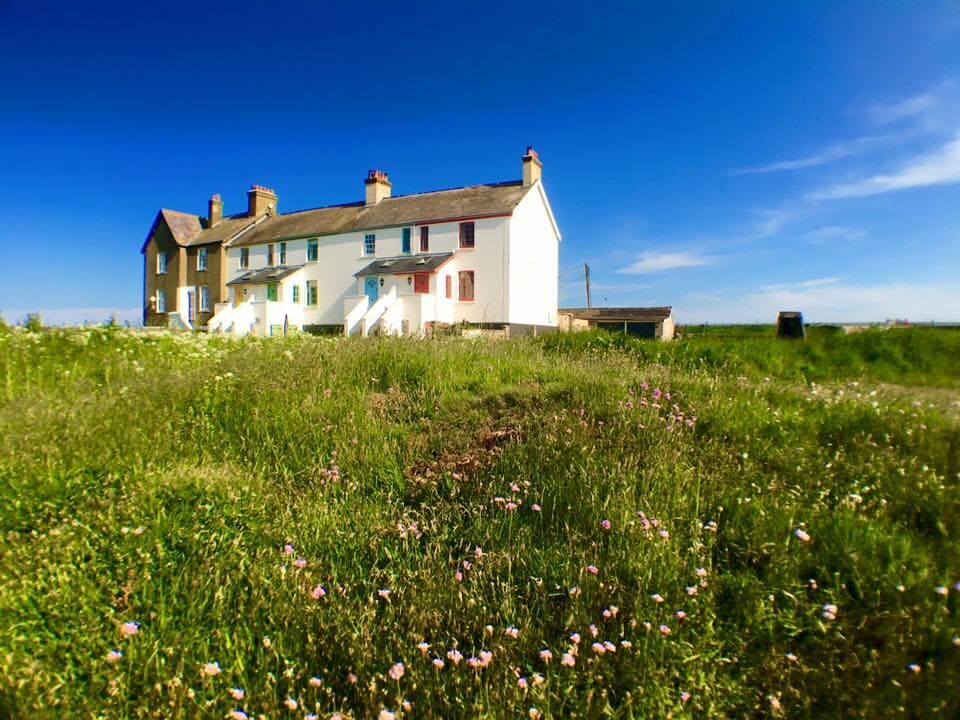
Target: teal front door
370, 288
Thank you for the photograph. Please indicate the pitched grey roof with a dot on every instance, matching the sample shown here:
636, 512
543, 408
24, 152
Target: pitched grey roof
183, 226
223, 230
405, 264
441, 205
267, 275
641, 314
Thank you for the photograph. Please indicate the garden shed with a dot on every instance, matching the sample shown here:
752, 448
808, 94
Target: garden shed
645, 322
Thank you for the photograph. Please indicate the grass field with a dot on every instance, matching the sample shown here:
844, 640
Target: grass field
575, 526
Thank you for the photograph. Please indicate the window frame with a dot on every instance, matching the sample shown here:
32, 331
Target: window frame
421, 279
312, 284
270, 257
295, 293
448, 286
201, 253
161, 262
245, 258
460, 286
370, 245
275, 287
424, 238
406, 244
282, 253
464, 227
314, 245
161, 301
203, 298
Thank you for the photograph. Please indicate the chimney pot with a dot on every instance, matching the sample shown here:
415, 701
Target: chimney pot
214, 209
532, 166
260, 199
377, 187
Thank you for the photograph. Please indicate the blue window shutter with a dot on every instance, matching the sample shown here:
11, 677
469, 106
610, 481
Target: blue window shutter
405, 247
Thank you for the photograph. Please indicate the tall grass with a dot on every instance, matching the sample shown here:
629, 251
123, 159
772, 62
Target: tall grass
306, 513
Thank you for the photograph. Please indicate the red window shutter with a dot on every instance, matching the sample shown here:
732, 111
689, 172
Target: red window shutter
424, 239
449, 286
421, 283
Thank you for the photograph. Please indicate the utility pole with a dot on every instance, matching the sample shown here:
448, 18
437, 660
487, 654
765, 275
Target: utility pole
586, 279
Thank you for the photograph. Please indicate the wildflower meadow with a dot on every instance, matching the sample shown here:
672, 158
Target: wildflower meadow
570, 526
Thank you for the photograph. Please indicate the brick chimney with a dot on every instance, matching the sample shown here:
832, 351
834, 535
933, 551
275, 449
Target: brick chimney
215, 210
378, 187
260, 199
532, 167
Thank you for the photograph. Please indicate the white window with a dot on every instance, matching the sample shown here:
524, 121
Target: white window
311, 292
295, 290
161, 263
161, 300
283, 253
202, 259
204, 298
244, 258
370, 244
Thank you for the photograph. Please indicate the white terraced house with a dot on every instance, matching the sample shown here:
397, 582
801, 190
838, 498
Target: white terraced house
485, 255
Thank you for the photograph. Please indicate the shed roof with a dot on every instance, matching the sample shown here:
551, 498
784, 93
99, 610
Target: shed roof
267, 275
405, 264
609, 314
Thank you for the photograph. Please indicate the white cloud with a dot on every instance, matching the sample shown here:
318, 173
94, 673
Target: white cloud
654, 262
907, 108
940, 167
803, 284
849, 148
830, 233
77, 316
826, 302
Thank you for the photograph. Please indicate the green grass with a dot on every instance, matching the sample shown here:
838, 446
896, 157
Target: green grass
157, 478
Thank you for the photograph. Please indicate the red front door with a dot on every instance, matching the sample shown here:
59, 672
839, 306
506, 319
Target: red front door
421, 282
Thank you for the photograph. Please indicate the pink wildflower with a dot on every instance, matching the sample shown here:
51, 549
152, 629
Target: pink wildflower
423, 646
593, 569
384, 593
291, 703
691, 590
129, 628
536, 507
511, 505
300, 562
315, 682
598, 648
352, 678
802, 535
534, 714
609, 646
318, 592
522, 683
594, 631
396, 672
657, 598
386, 715
665, 629
575, 638
913, 667
568, 660
701, 572
681, 615
941, 591
113, 656
455, 656
239, 715
605, 524
684, 696
511, 632
458, 576
288, 549
212, 669
546, 655
438, 663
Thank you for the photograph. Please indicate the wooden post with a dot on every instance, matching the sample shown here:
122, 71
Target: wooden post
586, 279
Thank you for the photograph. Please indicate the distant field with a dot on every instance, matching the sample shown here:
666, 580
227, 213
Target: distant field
581, 525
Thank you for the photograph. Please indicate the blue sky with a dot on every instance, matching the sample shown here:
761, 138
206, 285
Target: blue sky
729, 159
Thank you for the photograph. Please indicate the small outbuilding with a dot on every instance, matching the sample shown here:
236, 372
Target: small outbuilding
790, 325
645, 322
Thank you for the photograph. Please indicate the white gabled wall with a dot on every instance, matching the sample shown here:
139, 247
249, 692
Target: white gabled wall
339, 257
534, 257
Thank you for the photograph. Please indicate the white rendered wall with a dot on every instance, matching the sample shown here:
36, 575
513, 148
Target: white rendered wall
534, 256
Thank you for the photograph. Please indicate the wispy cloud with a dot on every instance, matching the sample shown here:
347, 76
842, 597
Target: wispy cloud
802, 284
655, 262
940, 167
838, 151
884, 114
831, 233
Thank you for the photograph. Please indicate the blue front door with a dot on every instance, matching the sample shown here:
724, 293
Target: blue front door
370, 288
